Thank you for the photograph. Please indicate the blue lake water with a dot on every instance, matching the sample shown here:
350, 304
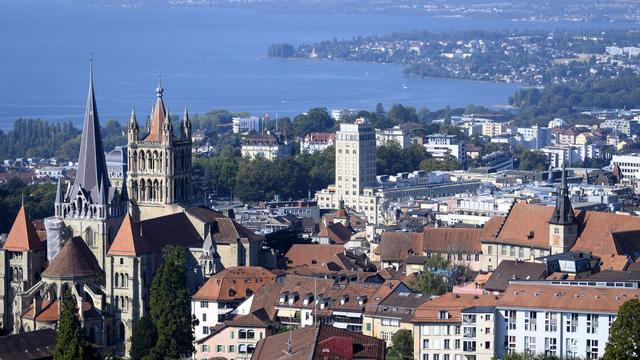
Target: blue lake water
209, 59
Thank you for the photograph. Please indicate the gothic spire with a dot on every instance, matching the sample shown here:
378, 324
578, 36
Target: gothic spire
186, 124
92, 173
563, 213
133, 122
158, 116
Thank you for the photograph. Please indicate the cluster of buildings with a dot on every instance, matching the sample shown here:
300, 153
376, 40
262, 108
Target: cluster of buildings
549, 256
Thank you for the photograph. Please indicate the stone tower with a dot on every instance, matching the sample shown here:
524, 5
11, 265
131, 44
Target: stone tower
91, 208
159, 174
563, 227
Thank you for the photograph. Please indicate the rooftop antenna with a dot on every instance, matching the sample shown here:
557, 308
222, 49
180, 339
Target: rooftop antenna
22, 196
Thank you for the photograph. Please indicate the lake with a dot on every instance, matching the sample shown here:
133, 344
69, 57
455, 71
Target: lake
209, 59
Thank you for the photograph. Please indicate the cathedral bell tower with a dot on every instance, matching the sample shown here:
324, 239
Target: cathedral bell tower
159, 174
563, 227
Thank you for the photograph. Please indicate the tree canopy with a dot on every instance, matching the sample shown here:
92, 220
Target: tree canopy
402, 348
392, 158
624, 334
71, 343
171, 308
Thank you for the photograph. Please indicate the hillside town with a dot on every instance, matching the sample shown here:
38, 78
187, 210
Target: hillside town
479, 262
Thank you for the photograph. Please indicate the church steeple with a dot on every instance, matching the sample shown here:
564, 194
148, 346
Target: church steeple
563, 213
158, 116
133, 128
92, 175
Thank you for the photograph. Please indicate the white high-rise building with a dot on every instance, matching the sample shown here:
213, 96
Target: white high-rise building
355, 171
355, 160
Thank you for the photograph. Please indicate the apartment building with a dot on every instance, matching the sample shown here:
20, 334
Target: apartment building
492, 129
455, 327
317, 142
267, 146
629, 164
223, 292
560, 318
440, 146
394, 134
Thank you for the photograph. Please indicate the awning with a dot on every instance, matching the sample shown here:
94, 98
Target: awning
287, 313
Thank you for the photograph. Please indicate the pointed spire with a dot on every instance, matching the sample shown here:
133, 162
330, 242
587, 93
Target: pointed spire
23, 235
563, 213
158, 116
92, 168
186, 124
133, 121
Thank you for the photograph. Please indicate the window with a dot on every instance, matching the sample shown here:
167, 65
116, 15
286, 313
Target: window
487, 344
205, 348
204, 317
204, 304
511, 341
205, 330
368, 326
489, 250
521, 253
512, 251
443, 315
219, 348
446, 343
425, 343
551, 322
504, 250
572, 323
530, 319
510, 317
550, 346
572, 348
457, 344
231, 348
231, 334
592, 323
592, 349
530, 344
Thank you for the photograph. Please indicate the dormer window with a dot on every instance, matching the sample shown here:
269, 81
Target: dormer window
344, 299
293, 298
443, 315
361, 300
283, 297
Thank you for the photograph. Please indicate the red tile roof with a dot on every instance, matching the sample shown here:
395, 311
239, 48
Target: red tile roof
128, 241
455, 240
23, 235
312, 255
563, 297
234, 283
453, 304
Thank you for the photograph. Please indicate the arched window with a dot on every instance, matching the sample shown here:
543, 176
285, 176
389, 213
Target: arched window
242, 349
117, 302
242, 334
250, 348
122, 283
115, 281
121, 332
250, 334
126, 280
88, 237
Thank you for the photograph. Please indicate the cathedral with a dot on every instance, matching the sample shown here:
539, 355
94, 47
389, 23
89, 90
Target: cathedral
104, 242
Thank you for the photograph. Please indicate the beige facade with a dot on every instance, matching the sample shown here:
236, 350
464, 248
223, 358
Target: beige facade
492, 129
383, 327
494, 253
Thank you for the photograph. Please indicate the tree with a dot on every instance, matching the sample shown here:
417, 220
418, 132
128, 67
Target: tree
71, 343
392, 158
144, 338
171, 308
315, 120
624, 335
449, 163
402, 348
439, 274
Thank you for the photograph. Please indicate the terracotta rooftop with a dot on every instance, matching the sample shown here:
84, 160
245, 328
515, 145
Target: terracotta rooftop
398, 246
74, 260
23, 235
452, 240
612, 237
315, 342
337, 233
129, 241
234, 283
312, 255
452, 304
566, 297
